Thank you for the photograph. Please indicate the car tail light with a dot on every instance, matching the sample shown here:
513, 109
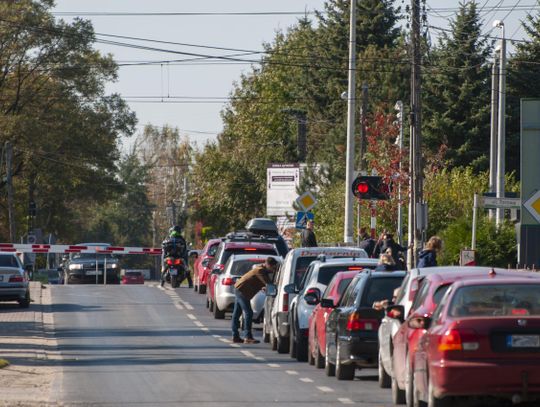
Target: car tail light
355, 268
16, 279
227, 281
356, 323
169, 261
463, 339
285, 307
250, 249
177, 261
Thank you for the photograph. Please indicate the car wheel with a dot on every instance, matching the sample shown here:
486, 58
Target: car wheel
265, 335
292, 341
282, 345
329, 367
398, 395
202, 289
25, 302
211, 306
218, 314
409, 383
434, 401
207, 303
301, 349
310, 357
273, 340
319, 358
195, 287
343, 372
385, 381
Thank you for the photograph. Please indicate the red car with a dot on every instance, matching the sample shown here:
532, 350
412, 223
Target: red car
482, 341
317, 320
203, 264
224, 251
132, 277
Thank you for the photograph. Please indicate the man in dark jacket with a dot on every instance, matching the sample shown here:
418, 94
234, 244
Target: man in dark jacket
308, 235
390, 246
366, 242
245, 289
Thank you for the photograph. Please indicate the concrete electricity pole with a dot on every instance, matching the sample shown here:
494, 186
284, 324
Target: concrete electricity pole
9, 183
502, 123
494, 120
399, 108
351, 95
415, 233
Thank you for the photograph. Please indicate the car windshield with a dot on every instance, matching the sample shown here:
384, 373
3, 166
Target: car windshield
326, 273
133, 273
379, 289
241, 267
8, 261
496, 300
92, 256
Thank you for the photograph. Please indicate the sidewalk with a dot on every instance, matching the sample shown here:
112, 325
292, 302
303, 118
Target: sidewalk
27, 344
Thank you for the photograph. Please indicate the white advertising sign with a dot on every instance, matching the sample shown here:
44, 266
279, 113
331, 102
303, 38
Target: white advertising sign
282, 181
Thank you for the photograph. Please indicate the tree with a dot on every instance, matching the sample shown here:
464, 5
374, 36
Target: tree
456, 106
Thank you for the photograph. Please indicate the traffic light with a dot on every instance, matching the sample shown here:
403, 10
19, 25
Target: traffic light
370, 188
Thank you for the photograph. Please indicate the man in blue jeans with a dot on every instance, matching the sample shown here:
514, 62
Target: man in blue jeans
245, 289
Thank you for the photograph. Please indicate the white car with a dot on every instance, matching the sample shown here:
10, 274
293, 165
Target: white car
13, 280
236, 266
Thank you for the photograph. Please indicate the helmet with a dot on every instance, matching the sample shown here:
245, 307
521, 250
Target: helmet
175, 231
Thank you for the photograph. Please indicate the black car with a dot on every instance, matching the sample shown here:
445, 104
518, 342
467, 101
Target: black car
91, 267
351, 329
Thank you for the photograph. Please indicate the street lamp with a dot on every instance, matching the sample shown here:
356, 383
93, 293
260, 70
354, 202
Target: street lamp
501, 123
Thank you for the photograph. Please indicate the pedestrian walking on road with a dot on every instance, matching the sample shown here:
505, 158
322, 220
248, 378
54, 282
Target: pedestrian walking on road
428, 256
308, 235
366, 242
245, 289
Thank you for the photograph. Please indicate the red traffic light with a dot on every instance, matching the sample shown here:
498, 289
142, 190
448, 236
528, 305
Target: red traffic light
362, 188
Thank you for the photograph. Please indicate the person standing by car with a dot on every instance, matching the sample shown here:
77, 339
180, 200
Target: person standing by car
245, 289
175, 246
366, 242
308, 235
390, 246
386, 263
428, 256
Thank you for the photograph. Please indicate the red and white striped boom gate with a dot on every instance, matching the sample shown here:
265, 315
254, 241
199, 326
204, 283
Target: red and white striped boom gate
64, 249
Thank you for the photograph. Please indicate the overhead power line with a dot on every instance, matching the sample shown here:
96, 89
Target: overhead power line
181, 13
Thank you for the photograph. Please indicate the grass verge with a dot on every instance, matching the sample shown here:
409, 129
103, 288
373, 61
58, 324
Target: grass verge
3, 363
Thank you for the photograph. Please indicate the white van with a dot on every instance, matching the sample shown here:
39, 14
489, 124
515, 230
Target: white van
276, 308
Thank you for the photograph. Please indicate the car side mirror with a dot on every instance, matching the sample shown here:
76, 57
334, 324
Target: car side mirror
396, 312
419, 322
216, 271
313, 296
290, 289
328, 303
271, 290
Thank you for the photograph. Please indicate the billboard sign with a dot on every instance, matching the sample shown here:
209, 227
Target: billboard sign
282, 181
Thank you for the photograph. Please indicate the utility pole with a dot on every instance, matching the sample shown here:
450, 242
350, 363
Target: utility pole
415, 233
502, 124
494, 120
351, 96
362, 164
399, 107
9, 182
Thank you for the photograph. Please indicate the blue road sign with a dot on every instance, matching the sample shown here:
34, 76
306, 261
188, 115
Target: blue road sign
302, 218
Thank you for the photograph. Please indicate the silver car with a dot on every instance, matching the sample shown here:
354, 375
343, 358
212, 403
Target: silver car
237, 265
13, 280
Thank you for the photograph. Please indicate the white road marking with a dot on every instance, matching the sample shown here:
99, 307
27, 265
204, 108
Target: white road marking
291, 372
248, 353
346, 401
199, 324
191, 316
216, 336
179, 306
325, 389
273, 365
224, 340
260, 359
234, 345
188, 305
306, 380
205, 329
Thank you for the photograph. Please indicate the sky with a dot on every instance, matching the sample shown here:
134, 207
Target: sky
190, 94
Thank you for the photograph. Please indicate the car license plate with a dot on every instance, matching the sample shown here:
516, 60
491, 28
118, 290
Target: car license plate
93, 272
523, 341
173, 272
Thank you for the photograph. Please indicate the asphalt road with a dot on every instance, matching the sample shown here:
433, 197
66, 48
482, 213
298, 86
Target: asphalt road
145, 346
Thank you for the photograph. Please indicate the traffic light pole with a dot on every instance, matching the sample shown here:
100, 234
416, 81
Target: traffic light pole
351, 96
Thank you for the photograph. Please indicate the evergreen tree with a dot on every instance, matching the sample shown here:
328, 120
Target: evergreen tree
456, 104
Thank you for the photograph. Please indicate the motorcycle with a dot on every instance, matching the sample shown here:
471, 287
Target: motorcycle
176, 271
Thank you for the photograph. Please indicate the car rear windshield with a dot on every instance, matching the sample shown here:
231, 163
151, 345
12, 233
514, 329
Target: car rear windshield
496, 300
243, 250
302, 264
326, 273
8, 261
378, 289
241, 267
133, 273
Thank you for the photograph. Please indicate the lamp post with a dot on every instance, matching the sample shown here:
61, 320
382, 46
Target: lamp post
501, 123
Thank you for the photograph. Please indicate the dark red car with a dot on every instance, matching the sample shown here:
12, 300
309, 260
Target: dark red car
203, 265
224, 251
317, 320
132, 277
482, 341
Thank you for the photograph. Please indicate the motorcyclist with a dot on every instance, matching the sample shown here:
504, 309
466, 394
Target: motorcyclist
175, 246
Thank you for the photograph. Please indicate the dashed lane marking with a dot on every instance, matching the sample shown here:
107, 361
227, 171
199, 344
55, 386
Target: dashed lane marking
224, 340
205, 329
273, 365
325, 389
216, 336
291, 372
260, 359
199, 324
346, 401
248, 353
191, 316
178, 305
234, 345
306, 380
